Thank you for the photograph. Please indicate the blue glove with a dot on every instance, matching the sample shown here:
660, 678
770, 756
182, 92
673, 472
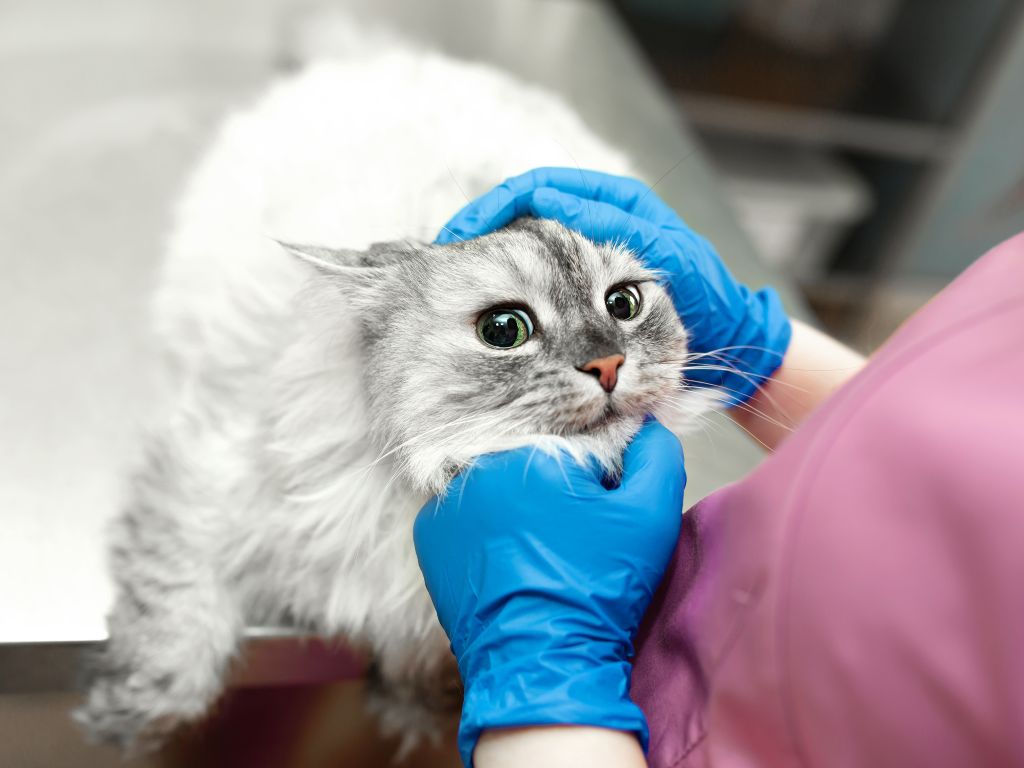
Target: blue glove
540, 576
739, 336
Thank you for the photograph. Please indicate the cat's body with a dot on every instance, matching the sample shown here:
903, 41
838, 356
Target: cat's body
320, 400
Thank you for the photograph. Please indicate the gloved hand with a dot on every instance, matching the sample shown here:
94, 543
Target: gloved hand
739, 335
540, 576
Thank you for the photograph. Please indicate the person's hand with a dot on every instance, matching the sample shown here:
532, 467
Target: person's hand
739, 336
540, 576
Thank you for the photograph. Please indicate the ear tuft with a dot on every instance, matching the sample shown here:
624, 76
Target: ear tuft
326, 260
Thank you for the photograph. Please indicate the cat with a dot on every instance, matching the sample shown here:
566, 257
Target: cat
332, 369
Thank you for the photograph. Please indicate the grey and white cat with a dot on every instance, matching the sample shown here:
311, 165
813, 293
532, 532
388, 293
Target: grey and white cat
323, 392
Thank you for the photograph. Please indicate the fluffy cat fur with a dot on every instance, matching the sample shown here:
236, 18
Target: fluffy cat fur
325, 389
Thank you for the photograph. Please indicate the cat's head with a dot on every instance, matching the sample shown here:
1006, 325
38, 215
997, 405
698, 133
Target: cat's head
533, 334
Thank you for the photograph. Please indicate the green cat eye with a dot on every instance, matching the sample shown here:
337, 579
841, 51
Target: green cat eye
623, 302
504, 328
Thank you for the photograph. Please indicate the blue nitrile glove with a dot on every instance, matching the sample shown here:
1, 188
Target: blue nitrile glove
739, 335
540, 576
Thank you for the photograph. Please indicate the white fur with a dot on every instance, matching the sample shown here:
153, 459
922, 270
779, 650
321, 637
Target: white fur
347, 153
247, 490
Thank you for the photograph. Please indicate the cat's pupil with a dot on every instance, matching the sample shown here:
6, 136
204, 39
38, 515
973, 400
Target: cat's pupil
623, 304
501, 329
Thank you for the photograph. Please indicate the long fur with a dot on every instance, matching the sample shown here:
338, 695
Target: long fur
325, 389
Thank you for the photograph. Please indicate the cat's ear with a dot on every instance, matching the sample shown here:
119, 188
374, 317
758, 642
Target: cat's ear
327, 260
343, 268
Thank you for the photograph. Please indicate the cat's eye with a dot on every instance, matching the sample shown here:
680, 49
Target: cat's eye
623, 302
504, 328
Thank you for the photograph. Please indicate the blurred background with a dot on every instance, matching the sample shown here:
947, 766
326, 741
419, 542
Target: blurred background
871, 149
858, 155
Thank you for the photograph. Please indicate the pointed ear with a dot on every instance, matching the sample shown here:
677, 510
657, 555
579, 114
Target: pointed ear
327, 260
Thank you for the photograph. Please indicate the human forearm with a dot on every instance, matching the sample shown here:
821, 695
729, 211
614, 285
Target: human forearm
557, 746
815, 366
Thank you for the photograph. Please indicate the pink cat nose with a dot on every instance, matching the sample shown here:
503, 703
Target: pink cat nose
605, 370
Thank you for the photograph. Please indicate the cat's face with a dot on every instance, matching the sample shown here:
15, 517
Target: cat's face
533, 332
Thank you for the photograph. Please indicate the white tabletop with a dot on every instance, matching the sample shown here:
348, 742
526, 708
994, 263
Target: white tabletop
105, 106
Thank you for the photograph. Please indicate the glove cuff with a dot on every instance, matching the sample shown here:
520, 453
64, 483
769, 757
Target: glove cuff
514, 695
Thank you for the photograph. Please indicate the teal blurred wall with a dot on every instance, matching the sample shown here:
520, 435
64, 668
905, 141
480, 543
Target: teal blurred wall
979, 199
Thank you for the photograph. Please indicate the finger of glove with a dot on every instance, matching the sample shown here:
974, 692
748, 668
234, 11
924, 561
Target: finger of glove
509, 200
601, 222
620, 191
491, 211
429, 531
478, 498
630, 195
653, 465
504, 203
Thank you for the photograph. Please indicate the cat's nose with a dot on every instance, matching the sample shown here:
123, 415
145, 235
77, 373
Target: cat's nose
605, 370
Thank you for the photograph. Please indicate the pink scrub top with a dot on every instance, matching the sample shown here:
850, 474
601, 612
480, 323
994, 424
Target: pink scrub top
858, 600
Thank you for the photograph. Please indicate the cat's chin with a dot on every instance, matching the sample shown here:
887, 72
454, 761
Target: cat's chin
603, 422
606, 438
603, 440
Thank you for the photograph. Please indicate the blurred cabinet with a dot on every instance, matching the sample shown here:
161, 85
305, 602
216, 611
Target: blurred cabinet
921, 100
974, 199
